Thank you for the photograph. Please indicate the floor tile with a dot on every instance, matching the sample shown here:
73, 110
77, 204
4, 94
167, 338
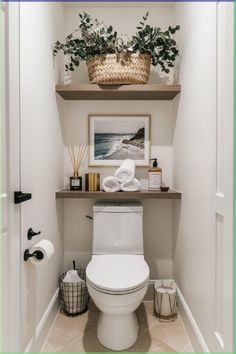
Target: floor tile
79, 334
173, 333
65, 330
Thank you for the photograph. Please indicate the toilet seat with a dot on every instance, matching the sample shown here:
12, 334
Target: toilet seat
117, 274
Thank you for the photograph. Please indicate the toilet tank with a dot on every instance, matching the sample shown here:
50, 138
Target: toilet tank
117, 228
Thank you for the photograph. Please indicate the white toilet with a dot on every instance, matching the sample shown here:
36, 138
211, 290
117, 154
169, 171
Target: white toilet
117, 276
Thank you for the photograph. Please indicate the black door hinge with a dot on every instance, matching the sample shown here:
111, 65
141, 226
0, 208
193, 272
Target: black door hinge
20, 197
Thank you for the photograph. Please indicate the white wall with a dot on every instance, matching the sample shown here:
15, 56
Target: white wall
41, 24
200, 264
157, 214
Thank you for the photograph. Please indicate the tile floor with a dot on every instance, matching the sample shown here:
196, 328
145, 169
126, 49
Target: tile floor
78, 334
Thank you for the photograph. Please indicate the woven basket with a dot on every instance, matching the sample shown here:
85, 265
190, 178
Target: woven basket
108, 69
74, 296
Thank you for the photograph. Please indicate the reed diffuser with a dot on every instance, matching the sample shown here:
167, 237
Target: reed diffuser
77, 156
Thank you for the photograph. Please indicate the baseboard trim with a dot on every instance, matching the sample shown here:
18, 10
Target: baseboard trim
191, 326
36, 342
196, 338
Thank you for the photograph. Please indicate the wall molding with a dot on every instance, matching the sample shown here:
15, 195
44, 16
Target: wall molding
36, 342
191, 326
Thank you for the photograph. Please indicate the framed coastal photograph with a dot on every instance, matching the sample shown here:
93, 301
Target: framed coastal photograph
114, 138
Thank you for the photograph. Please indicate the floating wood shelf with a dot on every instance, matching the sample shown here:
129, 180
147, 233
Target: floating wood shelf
171, 194
118, 92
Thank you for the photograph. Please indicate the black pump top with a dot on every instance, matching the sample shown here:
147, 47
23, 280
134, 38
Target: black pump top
155, 163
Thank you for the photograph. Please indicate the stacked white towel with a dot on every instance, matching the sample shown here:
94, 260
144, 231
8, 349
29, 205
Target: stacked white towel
126, 171
131, 186
123, 179
111, 184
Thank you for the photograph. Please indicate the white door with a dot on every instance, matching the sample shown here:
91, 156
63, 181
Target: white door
9, 178
223, 189
4, 188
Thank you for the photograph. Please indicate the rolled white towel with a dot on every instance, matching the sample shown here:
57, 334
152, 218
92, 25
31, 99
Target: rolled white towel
131, 186
110, 184
126, 171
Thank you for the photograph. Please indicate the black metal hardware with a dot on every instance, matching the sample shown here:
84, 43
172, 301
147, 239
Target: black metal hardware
31, 234
89, 217
37, 254
20, 197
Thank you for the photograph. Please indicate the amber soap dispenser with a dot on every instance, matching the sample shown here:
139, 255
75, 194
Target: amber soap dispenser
154, 176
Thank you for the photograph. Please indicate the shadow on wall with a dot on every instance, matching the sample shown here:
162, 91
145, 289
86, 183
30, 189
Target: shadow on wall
157, 220
92, 344
29, 319
60, 223
176, 226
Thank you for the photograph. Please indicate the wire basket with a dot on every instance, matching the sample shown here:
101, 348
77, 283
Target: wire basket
110, 69
74, 296
165, 300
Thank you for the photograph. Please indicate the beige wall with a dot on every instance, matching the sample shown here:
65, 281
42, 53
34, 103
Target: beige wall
157, 214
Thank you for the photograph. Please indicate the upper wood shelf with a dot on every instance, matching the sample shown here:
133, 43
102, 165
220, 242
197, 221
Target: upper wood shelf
171, 194
118, 92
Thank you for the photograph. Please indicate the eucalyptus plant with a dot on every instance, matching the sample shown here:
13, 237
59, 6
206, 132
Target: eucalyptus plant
152, 40
94, 38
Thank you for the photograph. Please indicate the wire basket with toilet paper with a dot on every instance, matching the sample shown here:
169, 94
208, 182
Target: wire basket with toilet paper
165, 300
73, 292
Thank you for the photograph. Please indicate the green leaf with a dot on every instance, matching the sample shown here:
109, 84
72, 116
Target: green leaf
95, 38
109, 30
81, 53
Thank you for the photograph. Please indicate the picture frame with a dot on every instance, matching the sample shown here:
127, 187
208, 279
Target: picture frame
114, 138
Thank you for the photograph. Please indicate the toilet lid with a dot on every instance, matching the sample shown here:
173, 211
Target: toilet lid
117, 273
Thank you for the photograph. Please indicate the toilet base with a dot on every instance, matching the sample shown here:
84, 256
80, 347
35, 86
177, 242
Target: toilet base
117, 332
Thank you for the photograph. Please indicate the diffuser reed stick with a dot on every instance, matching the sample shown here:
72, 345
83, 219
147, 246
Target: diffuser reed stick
77, 155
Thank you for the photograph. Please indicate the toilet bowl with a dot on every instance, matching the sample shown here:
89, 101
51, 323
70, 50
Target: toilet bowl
117, 275
117, 284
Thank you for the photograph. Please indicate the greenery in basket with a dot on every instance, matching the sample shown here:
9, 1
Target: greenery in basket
95, 39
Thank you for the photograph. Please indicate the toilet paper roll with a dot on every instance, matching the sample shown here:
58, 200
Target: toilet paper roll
44, 246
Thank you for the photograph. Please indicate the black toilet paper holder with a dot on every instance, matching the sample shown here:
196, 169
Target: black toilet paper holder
37, 254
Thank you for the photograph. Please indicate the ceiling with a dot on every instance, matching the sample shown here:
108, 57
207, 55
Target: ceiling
107, 4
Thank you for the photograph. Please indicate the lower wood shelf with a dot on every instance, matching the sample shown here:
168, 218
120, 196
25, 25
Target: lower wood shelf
171, 194
118, 92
